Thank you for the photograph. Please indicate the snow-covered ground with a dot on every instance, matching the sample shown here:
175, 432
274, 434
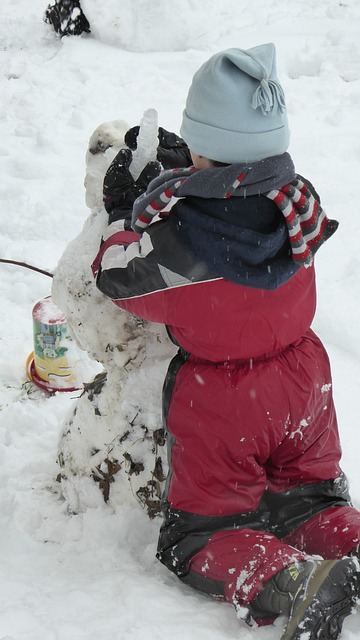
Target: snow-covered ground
93, 575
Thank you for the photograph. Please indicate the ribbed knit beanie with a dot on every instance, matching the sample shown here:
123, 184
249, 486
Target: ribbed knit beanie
235, 109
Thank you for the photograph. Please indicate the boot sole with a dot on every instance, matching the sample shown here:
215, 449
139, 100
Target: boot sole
330, 597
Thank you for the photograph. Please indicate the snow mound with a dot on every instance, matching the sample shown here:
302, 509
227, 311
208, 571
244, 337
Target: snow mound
139, 25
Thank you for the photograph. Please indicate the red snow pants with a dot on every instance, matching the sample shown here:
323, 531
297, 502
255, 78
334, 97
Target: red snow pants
254, 480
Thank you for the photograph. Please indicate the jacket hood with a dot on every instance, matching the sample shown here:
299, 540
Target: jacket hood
243, 240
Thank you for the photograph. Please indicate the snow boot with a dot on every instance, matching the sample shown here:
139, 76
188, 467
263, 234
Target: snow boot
316, 596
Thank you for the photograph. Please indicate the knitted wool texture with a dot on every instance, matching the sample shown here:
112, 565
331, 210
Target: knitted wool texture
307, 223
235, 109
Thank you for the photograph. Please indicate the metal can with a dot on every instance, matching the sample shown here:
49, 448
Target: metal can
53, 365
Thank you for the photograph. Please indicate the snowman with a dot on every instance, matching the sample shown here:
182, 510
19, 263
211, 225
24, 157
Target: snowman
112, 442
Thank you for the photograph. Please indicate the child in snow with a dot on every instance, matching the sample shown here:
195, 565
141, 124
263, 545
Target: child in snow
254, 489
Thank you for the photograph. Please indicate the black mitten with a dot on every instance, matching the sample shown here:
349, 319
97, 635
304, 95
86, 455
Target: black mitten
120, 190
172, 151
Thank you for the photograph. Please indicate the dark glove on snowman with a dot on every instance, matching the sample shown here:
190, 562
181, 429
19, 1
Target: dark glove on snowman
120, 190
172, 151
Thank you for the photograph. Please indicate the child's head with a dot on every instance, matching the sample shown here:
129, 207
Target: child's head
235, 109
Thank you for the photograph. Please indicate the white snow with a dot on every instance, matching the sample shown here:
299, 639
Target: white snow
92, 574
147, 142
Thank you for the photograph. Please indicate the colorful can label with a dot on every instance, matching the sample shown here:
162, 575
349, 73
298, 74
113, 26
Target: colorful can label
52, 345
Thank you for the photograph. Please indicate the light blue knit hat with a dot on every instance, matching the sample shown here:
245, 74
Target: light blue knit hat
235, 109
